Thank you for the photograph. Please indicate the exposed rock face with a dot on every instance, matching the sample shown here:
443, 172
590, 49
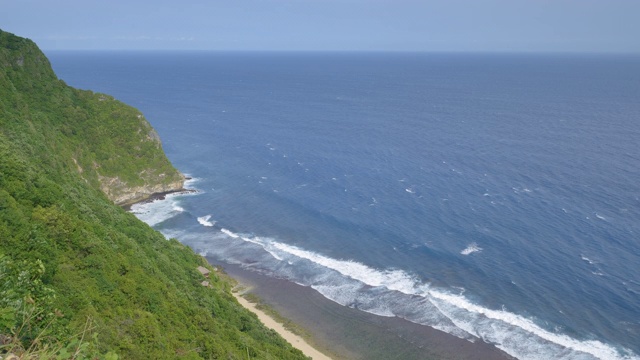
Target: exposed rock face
140, 171
122, 194
112, 146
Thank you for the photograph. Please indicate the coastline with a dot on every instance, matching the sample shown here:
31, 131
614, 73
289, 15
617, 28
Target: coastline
157, 196
295, 340
339, 331
346, 333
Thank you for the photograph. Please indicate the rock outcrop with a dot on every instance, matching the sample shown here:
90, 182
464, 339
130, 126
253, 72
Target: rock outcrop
122, 194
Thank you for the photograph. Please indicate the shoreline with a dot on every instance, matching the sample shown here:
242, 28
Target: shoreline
347, 333
337, 330
157, 197
293, 339
342, 332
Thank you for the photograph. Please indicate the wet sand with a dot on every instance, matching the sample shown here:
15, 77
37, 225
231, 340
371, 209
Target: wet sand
345, 333
292, 338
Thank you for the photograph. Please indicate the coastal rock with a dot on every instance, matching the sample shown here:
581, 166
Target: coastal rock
204, 271
121, 194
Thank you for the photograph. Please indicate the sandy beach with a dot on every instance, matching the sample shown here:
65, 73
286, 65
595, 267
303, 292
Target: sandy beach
346, 333
292, 338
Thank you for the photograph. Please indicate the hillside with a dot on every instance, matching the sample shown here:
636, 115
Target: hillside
79, 276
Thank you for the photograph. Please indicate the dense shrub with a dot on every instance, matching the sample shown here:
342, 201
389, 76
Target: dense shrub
79, 276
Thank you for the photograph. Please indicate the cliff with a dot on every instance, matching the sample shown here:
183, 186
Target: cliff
79, 276
111, 144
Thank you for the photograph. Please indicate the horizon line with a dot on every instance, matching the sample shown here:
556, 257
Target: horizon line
497, 52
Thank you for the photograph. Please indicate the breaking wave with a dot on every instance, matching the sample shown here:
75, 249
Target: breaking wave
206, 221
155, 212
395, 292
471, 248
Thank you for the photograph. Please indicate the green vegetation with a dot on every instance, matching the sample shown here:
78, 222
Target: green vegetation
79, 276
286, 323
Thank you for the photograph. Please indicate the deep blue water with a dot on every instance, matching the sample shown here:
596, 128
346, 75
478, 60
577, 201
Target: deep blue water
490, 196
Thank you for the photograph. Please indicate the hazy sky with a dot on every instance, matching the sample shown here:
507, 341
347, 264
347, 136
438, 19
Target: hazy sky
407, 25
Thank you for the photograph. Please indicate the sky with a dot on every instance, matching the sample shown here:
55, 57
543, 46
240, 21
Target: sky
328, 25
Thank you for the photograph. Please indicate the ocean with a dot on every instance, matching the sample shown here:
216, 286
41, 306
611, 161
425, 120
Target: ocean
490, 196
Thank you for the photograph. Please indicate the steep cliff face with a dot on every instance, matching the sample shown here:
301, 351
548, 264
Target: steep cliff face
147, 171
121, 193
141, 178
109, 143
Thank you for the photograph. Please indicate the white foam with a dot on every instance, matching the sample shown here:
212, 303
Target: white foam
592, 347
495, 326
251, 240
232, 234
191, 181
391, 279
587, 259
265, 246
393, 292
157, 211
204, 221
471, 248
255, 240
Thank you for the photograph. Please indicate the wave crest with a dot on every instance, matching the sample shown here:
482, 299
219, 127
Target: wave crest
394, 292
205, 221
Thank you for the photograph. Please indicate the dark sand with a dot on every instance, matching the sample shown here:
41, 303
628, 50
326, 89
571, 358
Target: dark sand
346, 333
